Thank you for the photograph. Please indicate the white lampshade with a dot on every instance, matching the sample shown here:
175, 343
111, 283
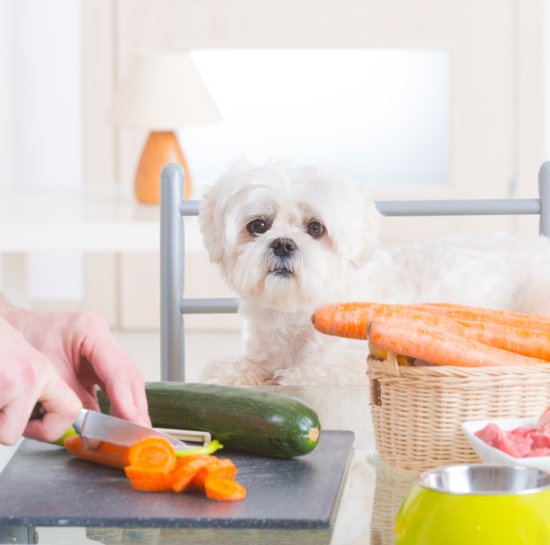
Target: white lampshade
163, 91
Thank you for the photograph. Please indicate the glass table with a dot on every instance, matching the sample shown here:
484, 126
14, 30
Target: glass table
370, 496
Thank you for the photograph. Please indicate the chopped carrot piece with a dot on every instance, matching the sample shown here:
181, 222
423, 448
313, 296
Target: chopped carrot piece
134, 472
152, 461
107, 454
223, 489
152, 452
148, 479
217, 468
225, 468
152, 466
184, 474
180, 462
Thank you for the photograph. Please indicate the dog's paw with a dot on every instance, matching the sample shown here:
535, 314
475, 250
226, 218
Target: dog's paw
242, 372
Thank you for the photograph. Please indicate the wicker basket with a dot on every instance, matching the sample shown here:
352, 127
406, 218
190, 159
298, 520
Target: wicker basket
391, 488
417, 410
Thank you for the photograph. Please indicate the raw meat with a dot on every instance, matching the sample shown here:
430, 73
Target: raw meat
521, 442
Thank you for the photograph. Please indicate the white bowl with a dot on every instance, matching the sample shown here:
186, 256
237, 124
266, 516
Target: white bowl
494, 455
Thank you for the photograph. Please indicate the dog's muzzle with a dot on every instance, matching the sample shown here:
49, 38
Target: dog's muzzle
282, 257
283, 247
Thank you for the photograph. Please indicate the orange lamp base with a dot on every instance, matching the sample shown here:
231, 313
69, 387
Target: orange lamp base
160, 148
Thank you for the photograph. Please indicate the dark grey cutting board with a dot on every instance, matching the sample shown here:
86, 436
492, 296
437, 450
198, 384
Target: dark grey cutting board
43, 485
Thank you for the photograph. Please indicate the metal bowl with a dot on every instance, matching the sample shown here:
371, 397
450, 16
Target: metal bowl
485, 479
476, 504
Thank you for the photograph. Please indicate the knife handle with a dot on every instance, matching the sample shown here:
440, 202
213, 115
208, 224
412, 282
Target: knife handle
38, 412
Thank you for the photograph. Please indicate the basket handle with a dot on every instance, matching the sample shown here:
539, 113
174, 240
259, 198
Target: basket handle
375, 392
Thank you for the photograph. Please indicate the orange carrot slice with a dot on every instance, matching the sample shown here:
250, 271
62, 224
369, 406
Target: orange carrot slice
184, 460
217, 468
152, 452
148, 479
223, 489
182, 477
152, 461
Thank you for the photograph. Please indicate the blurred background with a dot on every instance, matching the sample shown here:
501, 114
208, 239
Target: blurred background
415, 98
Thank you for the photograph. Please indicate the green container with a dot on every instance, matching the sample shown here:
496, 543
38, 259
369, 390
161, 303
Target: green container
476, 504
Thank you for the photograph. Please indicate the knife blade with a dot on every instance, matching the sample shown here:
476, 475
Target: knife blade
93, 425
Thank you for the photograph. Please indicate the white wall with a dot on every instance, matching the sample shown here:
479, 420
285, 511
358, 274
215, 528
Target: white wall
47, 50
45, 44
328, 106
40, 88
6, 98
547, 80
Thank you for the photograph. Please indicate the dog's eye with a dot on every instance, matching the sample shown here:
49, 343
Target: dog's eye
315, 229
257, 227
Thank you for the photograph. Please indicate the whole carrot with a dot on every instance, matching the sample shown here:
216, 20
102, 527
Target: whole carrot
351, 319
510, 336
479, 314
534, 343
439, 346
107, 454
527, 334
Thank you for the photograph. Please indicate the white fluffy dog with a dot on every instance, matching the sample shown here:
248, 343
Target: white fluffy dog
290, 239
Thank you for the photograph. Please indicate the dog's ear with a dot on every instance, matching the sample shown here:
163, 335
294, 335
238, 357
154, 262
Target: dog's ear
211, 225
345, 205
214, 210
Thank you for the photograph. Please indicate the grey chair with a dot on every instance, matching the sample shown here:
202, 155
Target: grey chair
172, 251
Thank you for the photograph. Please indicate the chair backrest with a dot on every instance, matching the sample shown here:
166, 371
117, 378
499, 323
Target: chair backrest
172, 251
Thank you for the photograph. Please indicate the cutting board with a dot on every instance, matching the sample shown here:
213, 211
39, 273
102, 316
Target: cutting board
43, 485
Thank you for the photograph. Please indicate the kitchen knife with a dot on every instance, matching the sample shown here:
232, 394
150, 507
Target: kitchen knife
102, 427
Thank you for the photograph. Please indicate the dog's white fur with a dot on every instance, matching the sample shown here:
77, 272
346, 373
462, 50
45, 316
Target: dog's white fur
279, 294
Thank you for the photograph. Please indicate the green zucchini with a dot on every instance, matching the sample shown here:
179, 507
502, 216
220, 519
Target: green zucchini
241, 418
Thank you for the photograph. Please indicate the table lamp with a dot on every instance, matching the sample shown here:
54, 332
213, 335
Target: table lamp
162, 92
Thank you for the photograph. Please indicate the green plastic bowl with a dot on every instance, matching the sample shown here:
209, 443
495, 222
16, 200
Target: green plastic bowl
476, 504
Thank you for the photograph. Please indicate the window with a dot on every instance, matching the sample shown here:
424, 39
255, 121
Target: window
382, 115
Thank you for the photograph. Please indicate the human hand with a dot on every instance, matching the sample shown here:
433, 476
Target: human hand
85, 354
26, 377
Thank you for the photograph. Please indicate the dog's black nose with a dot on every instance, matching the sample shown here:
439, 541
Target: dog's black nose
283, 247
